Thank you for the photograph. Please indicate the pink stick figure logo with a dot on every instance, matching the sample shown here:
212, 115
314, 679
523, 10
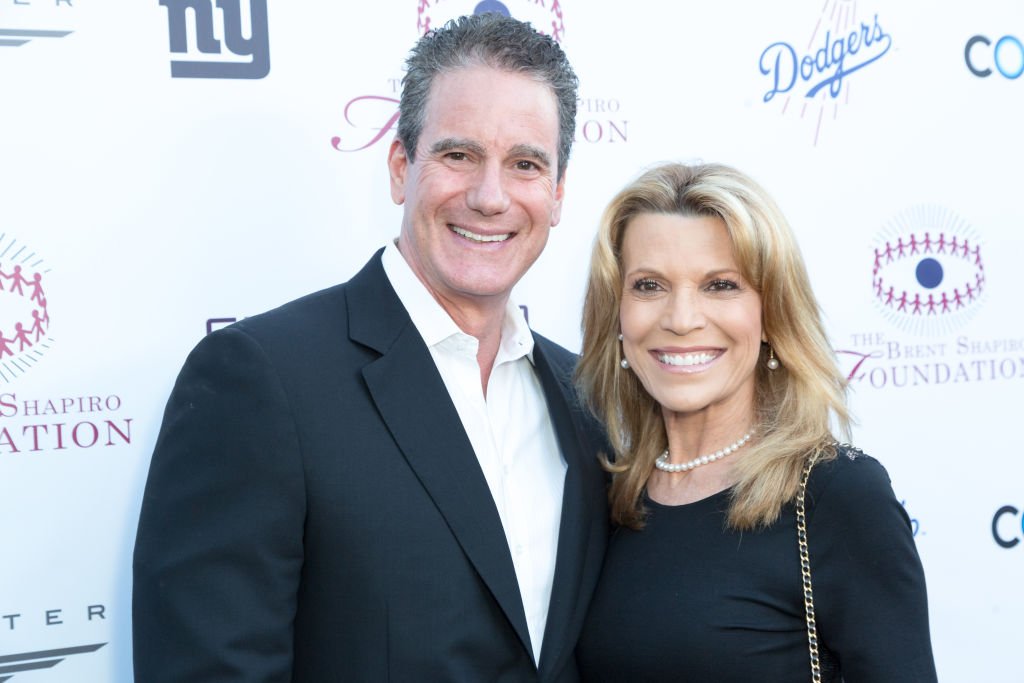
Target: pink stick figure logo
25, 318
927, 271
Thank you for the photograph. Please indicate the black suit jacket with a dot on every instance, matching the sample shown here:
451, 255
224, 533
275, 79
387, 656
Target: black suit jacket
315, 512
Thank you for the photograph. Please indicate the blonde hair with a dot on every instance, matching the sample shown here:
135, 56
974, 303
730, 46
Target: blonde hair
794, 404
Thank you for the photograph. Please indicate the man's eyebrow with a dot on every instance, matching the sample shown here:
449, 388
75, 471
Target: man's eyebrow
449, 144
531, 152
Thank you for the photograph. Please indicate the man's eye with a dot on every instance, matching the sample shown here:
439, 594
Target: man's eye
456, 156
526, 165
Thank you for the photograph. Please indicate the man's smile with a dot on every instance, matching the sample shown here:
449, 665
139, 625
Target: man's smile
478, 237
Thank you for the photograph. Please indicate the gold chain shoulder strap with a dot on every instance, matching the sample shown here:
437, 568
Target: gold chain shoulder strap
805, 569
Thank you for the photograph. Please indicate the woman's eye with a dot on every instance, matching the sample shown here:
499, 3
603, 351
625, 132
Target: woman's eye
645, 285
722, 285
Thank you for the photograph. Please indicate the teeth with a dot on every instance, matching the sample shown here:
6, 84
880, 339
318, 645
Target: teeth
686, 359
480, 238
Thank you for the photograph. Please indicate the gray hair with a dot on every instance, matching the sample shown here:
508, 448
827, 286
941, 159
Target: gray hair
496, 41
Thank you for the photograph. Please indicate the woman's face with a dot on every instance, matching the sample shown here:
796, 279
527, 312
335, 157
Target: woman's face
691, 325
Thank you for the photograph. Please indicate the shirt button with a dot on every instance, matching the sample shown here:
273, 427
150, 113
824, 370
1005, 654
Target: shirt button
519, 549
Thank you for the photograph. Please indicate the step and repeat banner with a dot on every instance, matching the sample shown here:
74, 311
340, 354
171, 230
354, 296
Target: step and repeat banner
170, 166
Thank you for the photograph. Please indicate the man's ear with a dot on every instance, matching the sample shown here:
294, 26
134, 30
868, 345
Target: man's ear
398, 166
556, 210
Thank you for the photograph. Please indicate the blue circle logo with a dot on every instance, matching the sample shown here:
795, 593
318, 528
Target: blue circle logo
929, 273
492, 6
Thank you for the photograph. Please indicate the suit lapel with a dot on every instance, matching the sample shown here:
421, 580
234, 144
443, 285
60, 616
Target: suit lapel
573, 534
414, 403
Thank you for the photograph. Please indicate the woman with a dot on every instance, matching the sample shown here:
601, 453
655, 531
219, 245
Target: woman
705, 355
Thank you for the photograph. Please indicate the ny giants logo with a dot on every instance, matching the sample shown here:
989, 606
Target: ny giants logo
256, 47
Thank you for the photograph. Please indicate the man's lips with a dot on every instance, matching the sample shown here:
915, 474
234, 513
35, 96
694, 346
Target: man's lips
477, 237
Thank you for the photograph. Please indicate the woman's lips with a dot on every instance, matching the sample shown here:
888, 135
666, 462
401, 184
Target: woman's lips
687, 361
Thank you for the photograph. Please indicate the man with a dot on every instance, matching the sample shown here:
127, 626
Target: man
389, 479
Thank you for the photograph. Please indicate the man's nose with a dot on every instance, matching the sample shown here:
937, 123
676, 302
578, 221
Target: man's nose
489, 194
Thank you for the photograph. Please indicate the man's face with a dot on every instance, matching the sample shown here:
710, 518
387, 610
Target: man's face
482, 194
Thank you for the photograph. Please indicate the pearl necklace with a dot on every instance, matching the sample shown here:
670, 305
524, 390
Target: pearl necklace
662, 462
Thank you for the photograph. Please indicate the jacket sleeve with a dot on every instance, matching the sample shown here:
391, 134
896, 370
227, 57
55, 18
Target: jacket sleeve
869, 587
219, 548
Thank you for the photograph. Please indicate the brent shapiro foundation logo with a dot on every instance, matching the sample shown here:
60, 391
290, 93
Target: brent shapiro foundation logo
232, 55
25, 320
928, 280
546, 17
30, 423
370, 118
812, 80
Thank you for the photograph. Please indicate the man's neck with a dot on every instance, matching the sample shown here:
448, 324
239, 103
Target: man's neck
484, 322
482, 317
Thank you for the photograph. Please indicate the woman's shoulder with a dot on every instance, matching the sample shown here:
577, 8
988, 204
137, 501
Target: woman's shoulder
851, 494
852, 476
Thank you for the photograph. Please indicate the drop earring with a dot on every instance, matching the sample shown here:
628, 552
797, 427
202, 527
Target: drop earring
772, 363
623, 363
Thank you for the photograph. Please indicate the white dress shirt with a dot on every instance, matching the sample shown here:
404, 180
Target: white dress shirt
510, 430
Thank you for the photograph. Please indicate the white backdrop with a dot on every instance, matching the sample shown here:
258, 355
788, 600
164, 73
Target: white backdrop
149, 205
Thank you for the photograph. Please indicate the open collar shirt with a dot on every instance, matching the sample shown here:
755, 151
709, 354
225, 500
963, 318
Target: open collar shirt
509, 428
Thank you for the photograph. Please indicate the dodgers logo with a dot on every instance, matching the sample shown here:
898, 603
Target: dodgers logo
25, 320
256, 47
840, 46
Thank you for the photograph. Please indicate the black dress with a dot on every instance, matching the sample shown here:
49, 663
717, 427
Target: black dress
685, 599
